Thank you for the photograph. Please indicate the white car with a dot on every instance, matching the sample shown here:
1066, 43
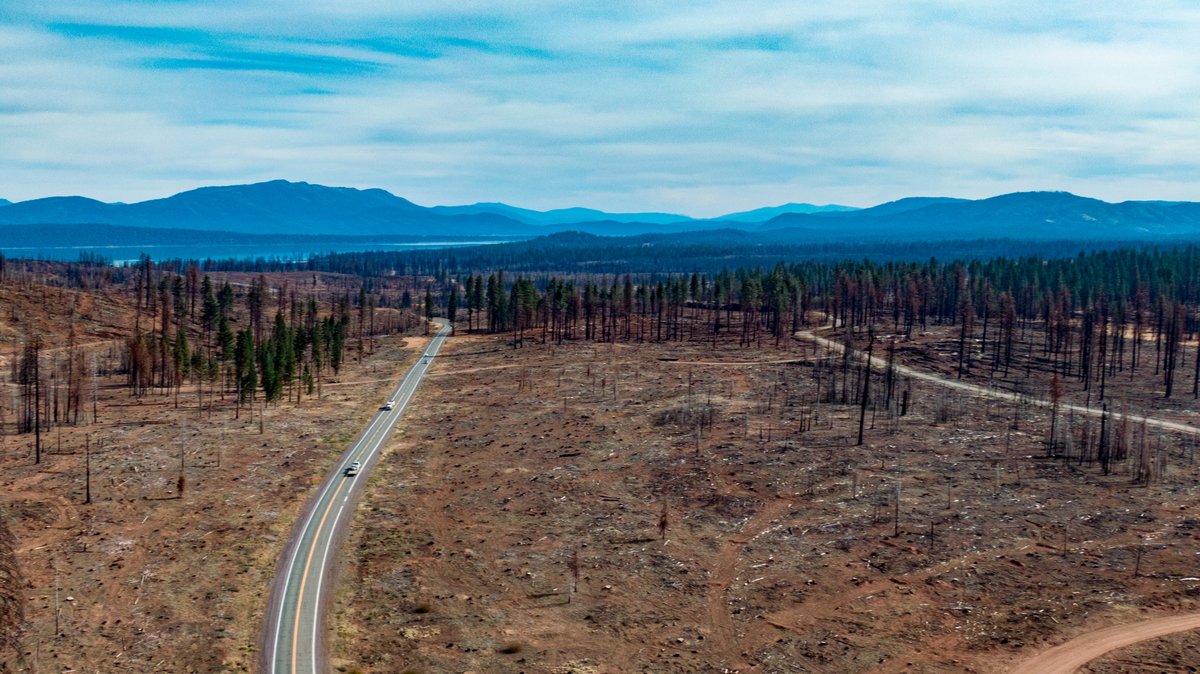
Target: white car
353, 469
389, 405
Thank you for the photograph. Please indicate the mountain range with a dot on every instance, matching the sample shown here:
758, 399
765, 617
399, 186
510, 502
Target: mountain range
298, 208
285, 208
561, 215
764, 214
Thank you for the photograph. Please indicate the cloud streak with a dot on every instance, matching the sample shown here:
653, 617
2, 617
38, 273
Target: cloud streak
715, 107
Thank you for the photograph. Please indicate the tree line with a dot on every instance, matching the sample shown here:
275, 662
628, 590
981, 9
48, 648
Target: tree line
1093, 315
253, 342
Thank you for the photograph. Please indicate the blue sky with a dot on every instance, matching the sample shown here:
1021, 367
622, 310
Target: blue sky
704, 108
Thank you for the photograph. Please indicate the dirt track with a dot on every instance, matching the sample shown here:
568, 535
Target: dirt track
983, 391
1068, 657
786, 550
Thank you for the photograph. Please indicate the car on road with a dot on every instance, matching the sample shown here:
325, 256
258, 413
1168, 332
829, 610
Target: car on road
353, 469
391, 404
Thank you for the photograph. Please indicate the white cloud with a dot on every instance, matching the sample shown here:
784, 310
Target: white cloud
704, 108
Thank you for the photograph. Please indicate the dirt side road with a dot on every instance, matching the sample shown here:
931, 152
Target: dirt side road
1066, 658
982, 391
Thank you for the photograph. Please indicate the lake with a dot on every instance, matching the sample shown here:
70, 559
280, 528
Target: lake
289, 251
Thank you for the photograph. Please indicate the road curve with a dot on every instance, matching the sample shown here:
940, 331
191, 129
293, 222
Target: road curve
983, 391
1070, 656
292, 629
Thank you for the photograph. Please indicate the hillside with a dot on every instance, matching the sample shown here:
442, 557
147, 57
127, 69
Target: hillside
281, 207
687, 474
561, 216
277, 207
764, 214
1022, 215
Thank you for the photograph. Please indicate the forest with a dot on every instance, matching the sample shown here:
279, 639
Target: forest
1086, 318
830, 349
1092, 310
256, 343
1095, 314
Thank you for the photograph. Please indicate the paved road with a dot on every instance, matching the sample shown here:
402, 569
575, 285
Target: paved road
293, 629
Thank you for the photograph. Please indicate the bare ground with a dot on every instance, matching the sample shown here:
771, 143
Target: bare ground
1177, 653
1091, 646
143, 579
781, 550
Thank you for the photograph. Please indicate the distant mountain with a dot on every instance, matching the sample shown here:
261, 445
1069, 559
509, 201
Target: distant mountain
561, 216
1022, 215
764, 214
885, 209
276, 207
616, 228
282, 207
907, 204
300, 209
4, 202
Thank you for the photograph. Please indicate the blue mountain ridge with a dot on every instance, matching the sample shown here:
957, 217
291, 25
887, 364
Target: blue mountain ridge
561, 215
299, 208
766, 213
1021, 215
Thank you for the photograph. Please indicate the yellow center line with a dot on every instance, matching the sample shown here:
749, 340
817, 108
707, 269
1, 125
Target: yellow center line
313, 549
372, 434
304, 577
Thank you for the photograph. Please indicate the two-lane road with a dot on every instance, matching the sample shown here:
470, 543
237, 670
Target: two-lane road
294, 619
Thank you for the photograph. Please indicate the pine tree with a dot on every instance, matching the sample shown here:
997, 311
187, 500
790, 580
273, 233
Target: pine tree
247, 373
225, 339
452, 302
209, 309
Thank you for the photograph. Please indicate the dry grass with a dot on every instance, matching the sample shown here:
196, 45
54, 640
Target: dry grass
142, 580
782, 552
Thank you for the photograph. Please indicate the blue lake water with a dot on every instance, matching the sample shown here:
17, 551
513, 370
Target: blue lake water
292, 251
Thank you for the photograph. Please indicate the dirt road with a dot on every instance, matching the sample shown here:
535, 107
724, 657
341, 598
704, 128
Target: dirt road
1066, 658
983, 391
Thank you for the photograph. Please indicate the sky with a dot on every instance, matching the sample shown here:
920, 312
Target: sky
700, 108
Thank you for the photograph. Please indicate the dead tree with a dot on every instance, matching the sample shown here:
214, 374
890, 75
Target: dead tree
574, 574
1056, 393
30, 379
866, 387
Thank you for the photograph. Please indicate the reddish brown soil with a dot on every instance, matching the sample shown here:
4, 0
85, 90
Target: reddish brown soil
144, 579
781, 552
1177, 653
1106, 644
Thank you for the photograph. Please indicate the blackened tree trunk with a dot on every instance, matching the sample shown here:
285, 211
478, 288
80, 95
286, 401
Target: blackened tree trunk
866, 387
